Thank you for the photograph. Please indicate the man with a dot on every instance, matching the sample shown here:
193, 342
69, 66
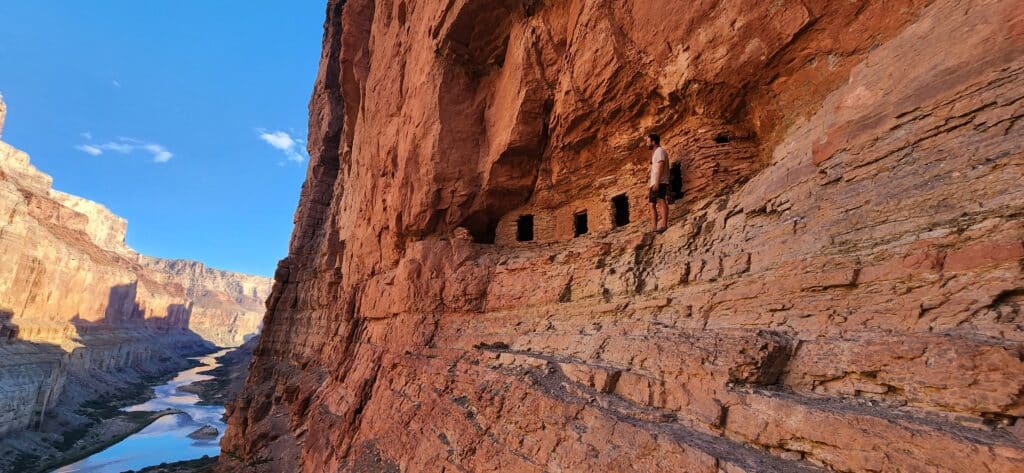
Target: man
658, 184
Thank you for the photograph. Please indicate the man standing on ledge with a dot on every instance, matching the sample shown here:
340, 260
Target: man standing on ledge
658, 185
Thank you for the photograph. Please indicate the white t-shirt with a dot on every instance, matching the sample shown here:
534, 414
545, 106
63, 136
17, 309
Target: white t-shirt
659, 159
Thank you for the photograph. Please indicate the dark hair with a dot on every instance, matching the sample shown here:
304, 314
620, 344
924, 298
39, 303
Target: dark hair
655, 138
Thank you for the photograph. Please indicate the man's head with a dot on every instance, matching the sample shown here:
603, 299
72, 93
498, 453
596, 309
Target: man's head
653, 140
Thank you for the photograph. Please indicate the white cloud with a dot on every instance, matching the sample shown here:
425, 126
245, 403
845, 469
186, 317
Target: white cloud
119, 147
89, 149
284, 142
278, 139
160, 154
123, 145
86, 135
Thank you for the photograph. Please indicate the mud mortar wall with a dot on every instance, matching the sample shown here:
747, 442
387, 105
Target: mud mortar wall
852, 257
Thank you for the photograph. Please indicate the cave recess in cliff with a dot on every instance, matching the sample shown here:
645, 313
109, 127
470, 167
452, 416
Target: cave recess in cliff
675, 180
620, 210
524, 228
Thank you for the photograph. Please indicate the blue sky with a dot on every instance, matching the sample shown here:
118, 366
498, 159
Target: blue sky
187, 117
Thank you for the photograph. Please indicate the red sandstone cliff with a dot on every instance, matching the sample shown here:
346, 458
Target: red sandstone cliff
80, 312
840, 289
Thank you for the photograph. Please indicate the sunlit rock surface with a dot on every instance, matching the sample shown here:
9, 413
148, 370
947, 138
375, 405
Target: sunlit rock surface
841, 287
78, 308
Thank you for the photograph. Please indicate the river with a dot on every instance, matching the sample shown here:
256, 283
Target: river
165, 440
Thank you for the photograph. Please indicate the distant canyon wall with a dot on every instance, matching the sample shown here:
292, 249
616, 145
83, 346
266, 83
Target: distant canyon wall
74, 298
841, 287
227, 307
65, 258
42, 384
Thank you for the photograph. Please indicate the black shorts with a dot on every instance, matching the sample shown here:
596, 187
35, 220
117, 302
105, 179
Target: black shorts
660, 193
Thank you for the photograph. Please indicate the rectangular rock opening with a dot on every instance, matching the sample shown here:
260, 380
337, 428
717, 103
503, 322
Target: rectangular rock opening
675, 180
524, 228
620, 210
580, 224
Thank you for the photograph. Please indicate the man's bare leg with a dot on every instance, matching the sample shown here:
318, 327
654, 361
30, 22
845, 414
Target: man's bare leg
663, 204
654, 216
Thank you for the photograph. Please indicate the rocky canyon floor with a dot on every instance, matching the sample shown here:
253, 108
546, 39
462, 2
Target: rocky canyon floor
94, 425
190, 434
104, 440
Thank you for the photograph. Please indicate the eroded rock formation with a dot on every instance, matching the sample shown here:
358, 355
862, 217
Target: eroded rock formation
841, 287
82, 315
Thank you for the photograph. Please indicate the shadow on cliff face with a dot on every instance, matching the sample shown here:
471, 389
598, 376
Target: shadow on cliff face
123, 311
122, 344
20, 367
123, 308
60, 385
8, 330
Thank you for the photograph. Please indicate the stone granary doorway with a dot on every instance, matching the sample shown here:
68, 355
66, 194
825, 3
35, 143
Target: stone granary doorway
524, 228
580, 224
620, 210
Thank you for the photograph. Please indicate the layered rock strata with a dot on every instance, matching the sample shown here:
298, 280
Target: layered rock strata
840, 289
56, 404
79, 307
227, 307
